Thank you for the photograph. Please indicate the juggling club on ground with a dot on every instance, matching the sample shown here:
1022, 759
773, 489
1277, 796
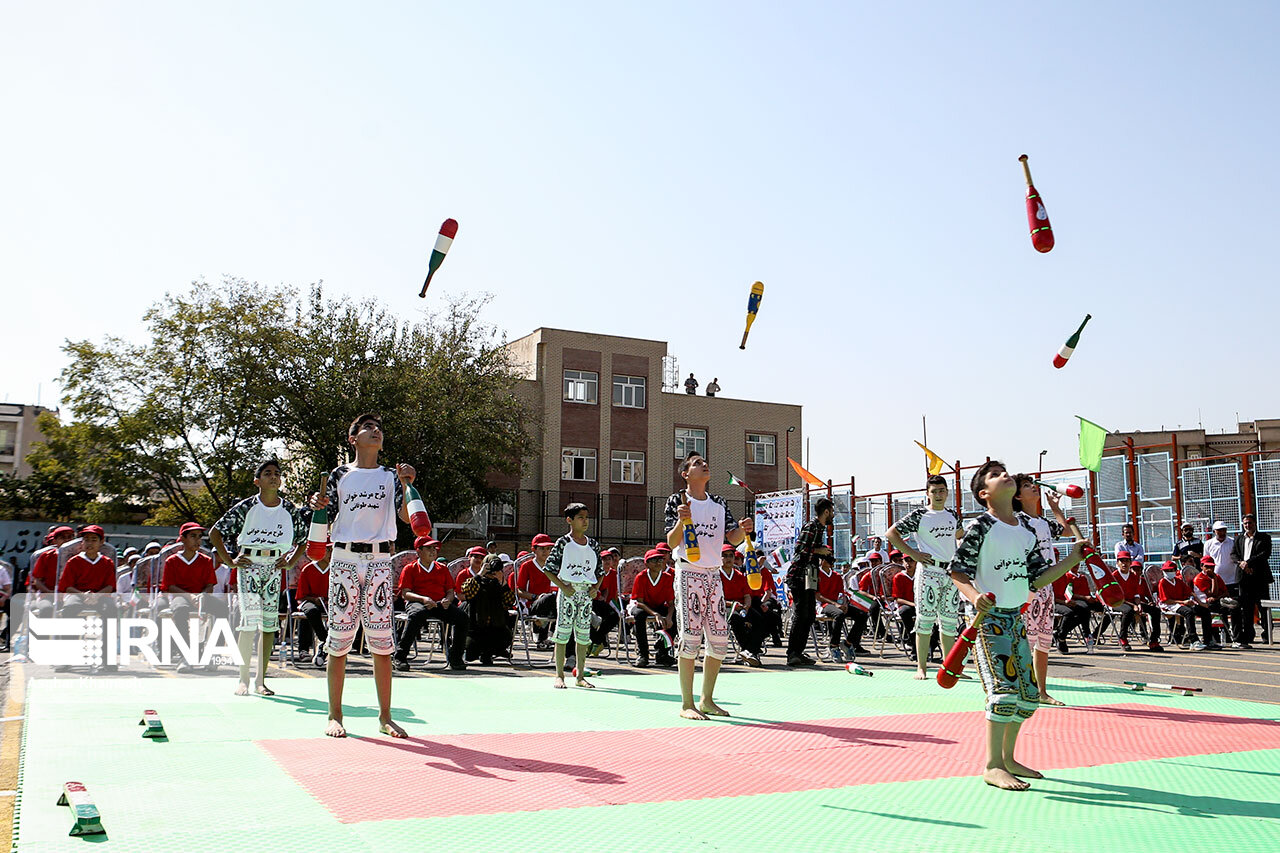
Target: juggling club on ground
952, 668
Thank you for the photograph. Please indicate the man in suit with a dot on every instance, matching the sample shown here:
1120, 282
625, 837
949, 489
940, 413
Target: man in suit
1251, 553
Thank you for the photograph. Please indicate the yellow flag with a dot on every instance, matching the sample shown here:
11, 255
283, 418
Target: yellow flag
804, 474
935, 461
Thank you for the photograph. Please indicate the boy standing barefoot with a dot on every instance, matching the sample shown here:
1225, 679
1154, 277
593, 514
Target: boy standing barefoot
574, 567
1000, 556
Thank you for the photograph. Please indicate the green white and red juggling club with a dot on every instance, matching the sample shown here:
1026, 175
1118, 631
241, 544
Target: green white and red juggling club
444, 240
318, 536
1060, 360
419, 521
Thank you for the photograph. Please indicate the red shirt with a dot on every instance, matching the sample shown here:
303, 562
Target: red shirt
45, 568
1212, 587
1060, 588
1080, 584
532, 579
830, 585
434, 583
190, 577
312, 581
88, 576
1134, 588
864, 582
1175, 590
663, 592
608, 590
460, 579
734, 586
904, 587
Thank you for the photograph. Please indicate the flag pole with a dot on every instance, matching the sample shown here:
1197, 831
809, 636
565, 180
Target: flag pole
924, 428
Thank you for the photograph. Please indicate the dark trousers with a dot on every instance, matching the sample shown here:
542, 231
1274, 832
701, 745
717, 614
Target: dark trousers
1129, 614
418, 614
1188, 625
544, 607
858, 622
1251, 593
804, 606
1074, 614
748, 635
642, 627
608, 620
907, 612
767, 622
1205, 613
835, 627
312, 627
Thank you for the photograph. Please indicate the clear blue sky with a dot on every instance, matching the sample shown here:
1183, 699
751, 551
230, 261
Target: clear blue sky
632, 168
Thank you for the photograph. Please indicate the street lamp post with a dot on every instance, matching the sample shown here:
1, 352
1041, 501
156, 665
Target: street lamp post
1040, 464
790, 430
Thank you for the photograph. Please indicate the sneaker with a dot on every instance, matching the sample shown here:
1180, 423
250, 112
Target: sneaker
1248, 647
1089, 645
752, 660
457, 665
802, 660
486, 660
1184, 645
642, 662
858, 649
1062, 648
837, 655
1198, 647
1237, 645
401, 665
319, 660
1124, 646
1154, 647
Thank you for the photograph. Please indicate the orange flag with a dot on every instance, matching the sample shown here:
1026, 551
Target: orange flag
805, 475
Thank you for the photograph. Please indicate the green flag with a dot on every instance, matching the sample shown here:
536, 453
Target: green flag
1092, 438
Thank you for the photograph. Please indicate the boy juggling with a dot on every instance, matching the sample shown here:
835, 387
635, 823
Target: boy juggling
1040, 610
997, 564
574, 567
934, 529
699, 601
367, 497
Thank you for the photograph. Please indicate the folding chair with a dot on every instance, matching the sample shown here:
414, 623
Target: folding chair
524, 620
882, 589
65, 553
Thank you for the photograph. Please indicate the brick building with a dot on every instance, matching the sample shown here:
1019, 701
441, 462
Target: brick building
612, 438
18, 431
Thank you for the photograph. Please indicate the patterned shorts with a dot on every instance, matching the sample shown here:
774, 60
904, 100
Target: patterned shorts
1039, 619
701, 611
1004, 665
573, 615
937, 600
360, 593
259, 595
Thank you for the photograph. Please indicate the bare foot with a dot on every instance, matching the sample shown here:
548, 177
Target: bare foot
582, 682
558, 684
998, 777
692, 714
1022, 770
921, 675
242, 689
1046, 699
264, 690
335, 728
390, 727
710, 708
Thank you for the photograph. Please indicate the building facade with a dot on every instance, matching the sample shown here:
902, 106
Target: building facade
18, 431
609, 436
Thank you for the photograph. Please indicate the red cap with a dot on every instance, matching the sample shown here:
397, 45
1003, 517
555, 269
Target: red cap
610, 551
189, 527
875, 555
895, 554
542, 540
1206, 560
652, 554
662, 548
93, 528
727, 548
1168, 566
477, 552
426, 542
522, 554
1123, 555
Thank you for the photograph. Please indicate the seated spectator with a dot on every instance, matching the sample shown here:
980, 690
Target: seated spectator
87, 581
185, 579
475, 558
902, 589
489, 602
737, 600
1081, 601
6, 594
606, 603
1176, 600
766, 610
426, 588
312, 596
535, 590
1136, 598
834, 605
652, 598
859, 618
1208, 597
42, 578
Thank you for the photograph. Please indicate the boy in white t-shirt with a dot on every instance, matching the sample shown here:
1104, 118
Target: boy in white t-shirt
935, 529
574, 567
1000, 559
269, 535
699, 601
367, 498
1040, 612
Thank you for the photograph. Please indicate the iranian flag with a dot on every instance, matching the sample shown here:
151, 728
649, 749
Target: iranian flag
778, 558
861, 600
734, 481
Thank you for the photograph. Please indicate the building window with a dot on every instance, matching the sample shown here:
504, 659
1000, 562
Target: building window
580, 386
8, 439
578, 463
502, 510
690, 441
628, 466
628, 391
761, 449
